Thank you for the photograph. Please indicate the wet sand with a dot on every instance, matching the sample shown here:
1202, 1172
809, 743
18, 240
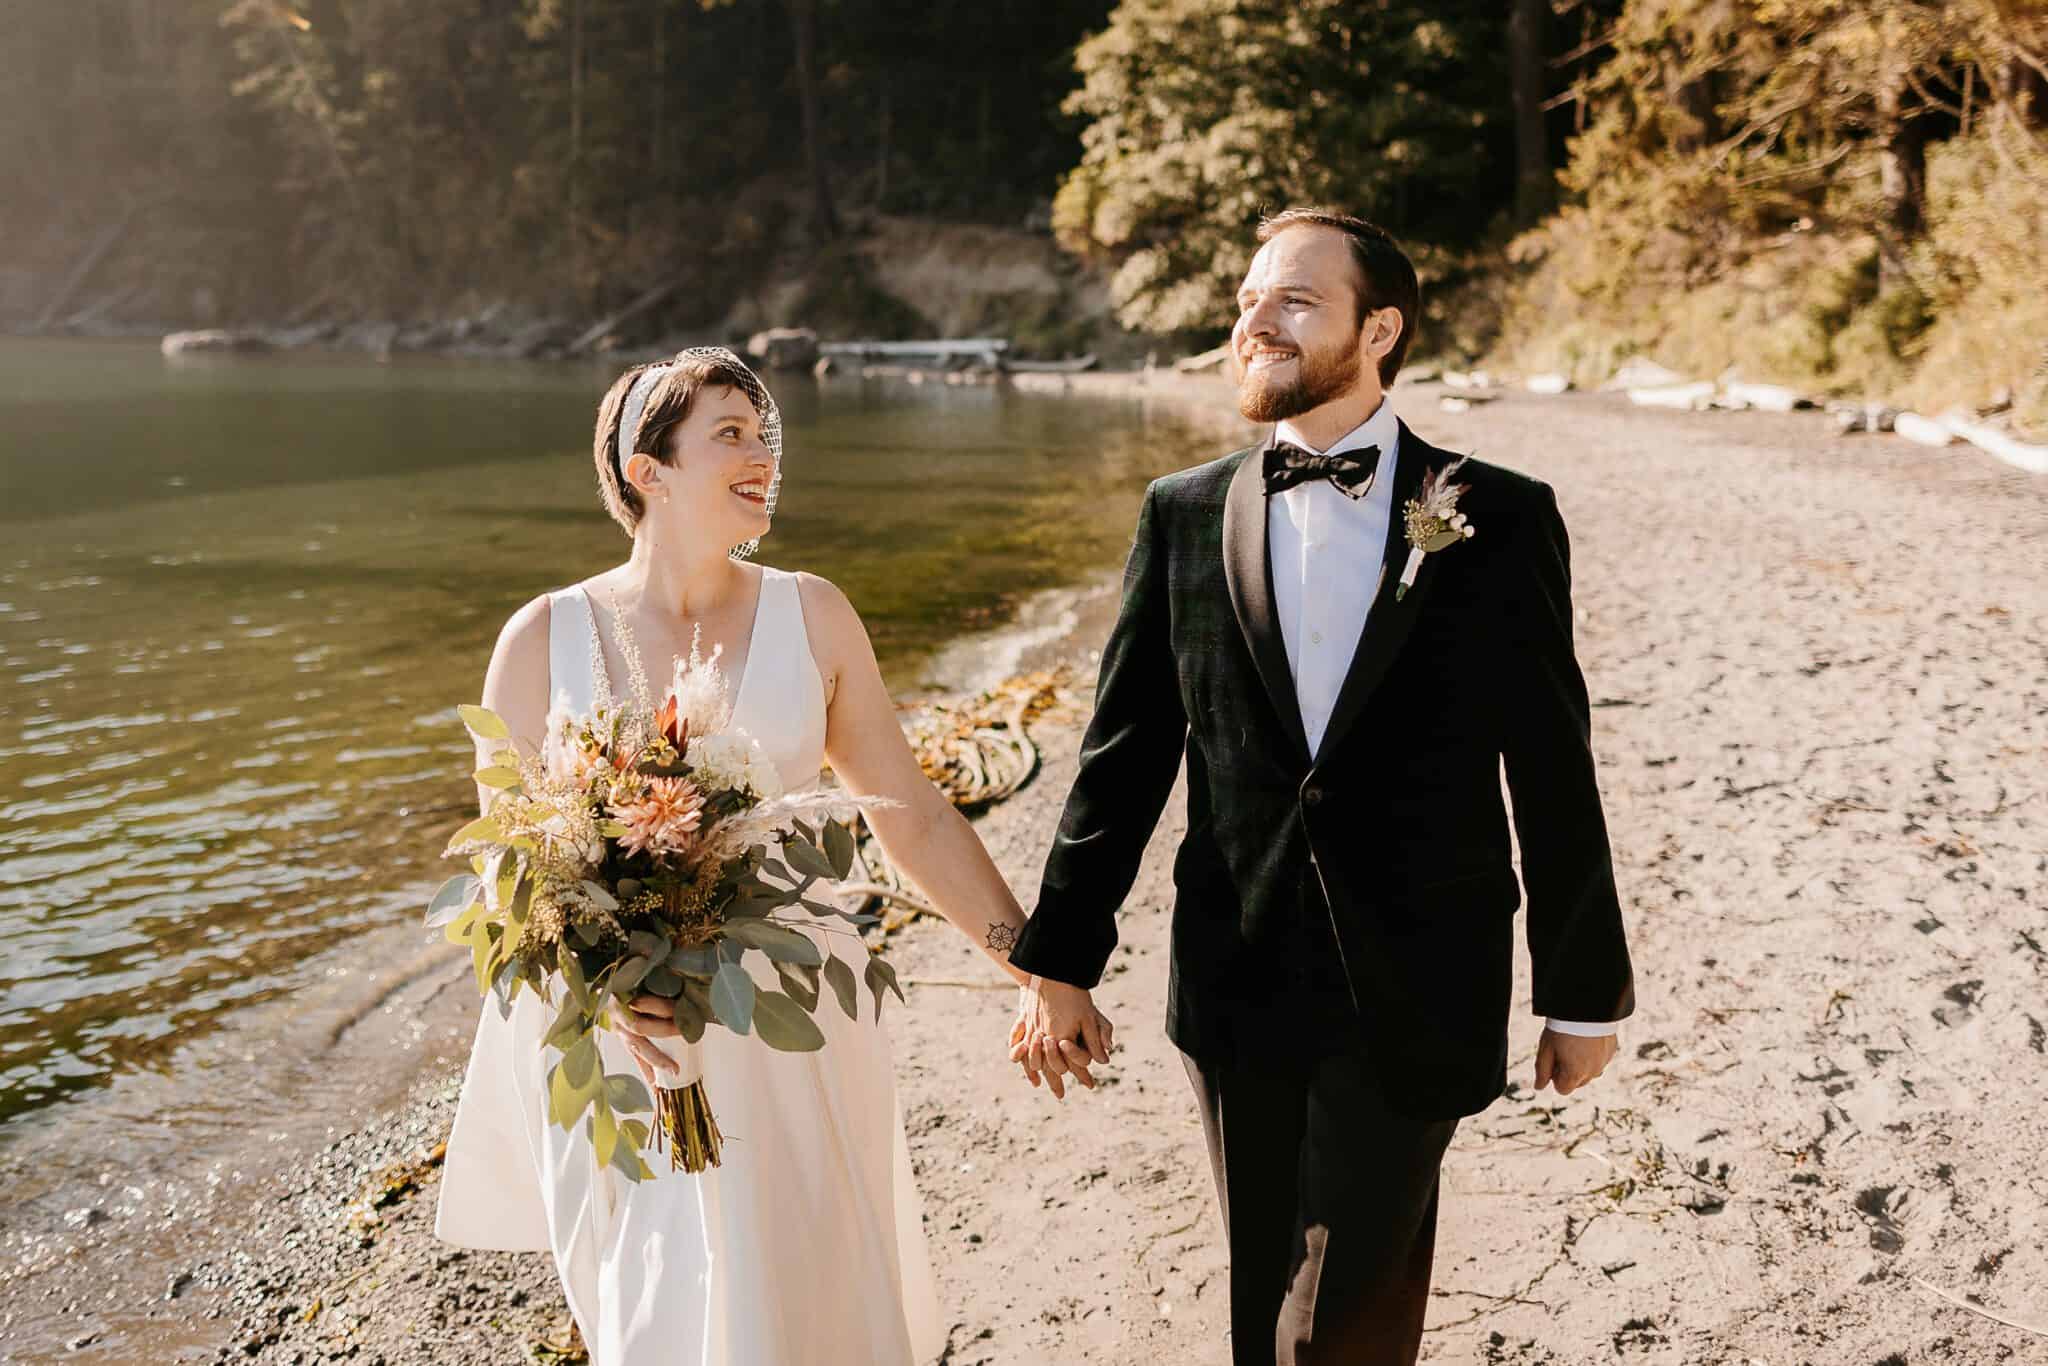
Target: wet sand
1820, 675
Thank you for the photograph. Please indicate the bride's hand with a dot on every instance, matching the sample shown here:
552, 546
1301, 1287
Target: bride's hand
642, 1020
1059, 1032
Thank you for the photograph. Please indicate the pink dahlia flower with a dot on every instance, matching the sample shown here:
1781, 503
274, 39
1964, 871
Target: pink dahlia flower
662, 818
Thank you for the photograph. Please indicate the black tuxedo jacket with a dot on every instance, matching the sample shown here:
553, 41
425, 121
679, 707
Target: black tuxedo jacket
1398, 820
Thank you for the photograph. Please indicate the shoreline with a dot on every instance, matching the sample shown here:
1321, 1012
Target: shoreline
1806, 1125
334, 1109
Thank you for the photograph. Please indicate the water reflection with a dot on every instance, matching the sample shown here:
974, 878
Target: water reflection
238, 602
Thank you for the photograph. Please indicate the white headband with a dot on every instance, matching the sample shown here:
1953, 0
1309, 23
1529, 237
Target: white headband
635, 406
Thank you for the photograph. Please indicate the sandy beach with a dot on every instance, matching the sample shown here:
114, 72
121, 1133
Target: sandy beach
1819, 668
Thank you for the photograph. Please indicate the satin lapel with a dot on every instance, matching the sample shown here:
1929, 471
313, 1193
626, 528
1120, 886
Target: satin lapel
1387, 623
1251, 593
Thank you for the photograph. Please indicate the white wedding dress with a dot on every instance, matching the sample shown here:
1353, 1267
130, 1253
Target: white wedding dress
807, 1245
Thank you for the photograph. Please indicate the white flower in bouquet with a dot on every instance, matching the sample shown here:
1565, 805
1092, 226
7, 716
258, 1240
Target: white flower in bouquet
699, 693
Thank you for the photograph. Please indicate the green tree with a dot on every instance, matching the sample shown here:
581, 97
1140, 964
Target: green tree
1204, 113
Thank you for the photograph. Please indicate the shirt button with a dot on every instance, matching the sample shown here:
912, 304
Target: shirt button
1315, 637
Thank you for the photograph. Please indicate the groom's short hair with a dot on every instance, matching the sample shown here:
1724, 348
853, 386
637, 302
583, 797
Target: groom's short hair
1386, 275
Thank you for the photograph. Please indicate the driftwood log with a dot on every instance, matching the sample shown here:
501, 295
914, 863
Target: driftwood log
978, 751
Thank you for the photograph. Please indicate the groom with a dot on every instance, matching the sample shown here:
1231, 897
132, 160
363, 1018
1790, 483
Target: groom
1344, 914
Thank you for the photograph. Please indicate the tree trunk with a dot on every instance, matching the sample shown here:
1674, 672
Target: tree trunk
658, 94
2028, 94
803, 18
1902, 177
1526, 51
882, 156
1693, 98
576, 143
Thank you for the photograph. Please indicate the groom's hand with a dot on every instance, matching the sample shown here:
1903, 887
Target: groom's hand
1059, 1031
1570, 1060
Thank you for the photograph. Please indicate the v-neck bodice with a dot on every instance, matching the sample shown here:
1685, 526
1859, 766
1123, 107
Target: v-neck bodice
779, 699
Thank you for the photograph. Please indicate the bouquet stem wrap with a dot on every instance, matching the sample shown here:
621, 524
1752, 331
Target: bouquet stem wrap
683, 1117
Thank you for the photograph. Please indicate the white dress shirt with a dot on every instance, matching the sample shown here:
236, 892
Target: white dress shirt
1325, 549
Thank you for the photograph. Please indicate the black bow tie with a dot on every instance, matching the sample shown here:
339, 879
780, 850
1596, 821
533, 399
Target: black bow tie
1350, 471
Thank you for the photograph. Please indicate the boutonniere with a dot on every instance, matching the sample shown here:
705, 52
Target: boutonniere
1434, 522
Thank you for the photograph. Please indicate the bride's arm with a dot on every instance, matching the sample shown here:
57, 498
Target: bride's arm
924, 834
516, 684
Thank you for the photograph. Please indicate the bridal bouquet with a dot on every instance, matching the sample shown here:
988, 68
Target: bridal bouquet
651, 853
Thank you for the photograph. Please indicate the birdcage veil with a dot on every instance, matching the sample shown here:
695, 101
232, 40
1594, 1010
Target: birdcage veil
635, 407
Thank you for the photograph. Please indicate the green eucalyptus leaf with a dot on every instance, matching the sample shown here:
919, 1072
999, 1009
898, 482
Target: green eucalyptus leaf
522, 904
483, 723
572, 977
754, 905
802, 988
455, 895
484, 829
805, 858
779, 942
499, 777
693, 1009
626, 1094
566, 1103
604, 1132
626, 1160
628, 975
662, 982
579, 1064
567, 1028
839, 848
482, 950
466, 926
880, 974
839, 977
696, 960
732, 998
648, 945
784, 1025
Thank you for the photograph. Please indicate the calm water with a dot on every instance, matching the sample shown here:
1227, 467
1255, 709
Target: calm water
240, 597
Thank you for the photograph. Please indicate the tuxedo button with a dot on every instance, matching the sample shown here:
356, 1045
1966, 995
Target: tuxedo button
1311, 794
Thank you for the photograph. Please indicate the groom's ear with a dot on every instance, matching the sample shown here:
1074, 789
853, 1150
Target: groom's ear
1382, 332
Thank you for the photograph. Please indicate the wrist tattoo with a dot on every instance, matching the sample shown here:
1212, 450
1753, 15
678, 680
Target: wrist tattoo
1002, 938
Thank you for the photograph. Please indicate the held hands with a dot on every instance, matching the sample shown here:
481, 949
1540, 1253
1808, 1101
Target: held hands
1570, 1060
1058, 1031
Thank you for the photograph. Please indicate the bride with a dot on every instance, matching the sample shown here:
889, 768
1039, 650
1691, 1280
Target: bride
806, 1245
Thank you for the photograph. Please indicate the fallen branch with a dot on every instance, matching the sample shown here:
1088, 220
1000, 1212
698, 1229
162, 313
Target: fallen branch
1978, 1309
597, 330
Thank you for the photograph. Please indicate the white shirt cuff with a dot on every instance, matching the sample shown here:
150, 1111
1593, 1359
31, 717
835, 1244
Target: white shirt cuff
1582, 1029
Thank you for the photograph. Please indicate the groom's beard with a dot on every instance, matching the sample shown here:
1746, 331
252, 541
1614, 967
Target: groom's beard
1319, 378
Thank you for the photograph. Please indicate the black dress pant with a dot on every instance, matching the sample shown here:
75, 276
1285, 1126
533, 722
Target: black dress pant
1329, 1204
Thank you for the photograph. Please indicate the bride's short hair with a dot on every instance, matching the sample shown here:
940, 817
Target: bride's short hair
674, 395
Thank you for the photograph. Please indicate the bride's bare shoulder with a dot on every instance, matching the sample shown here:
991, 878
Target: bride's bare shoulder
519, 661
526, 628
827, 611
839, 642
